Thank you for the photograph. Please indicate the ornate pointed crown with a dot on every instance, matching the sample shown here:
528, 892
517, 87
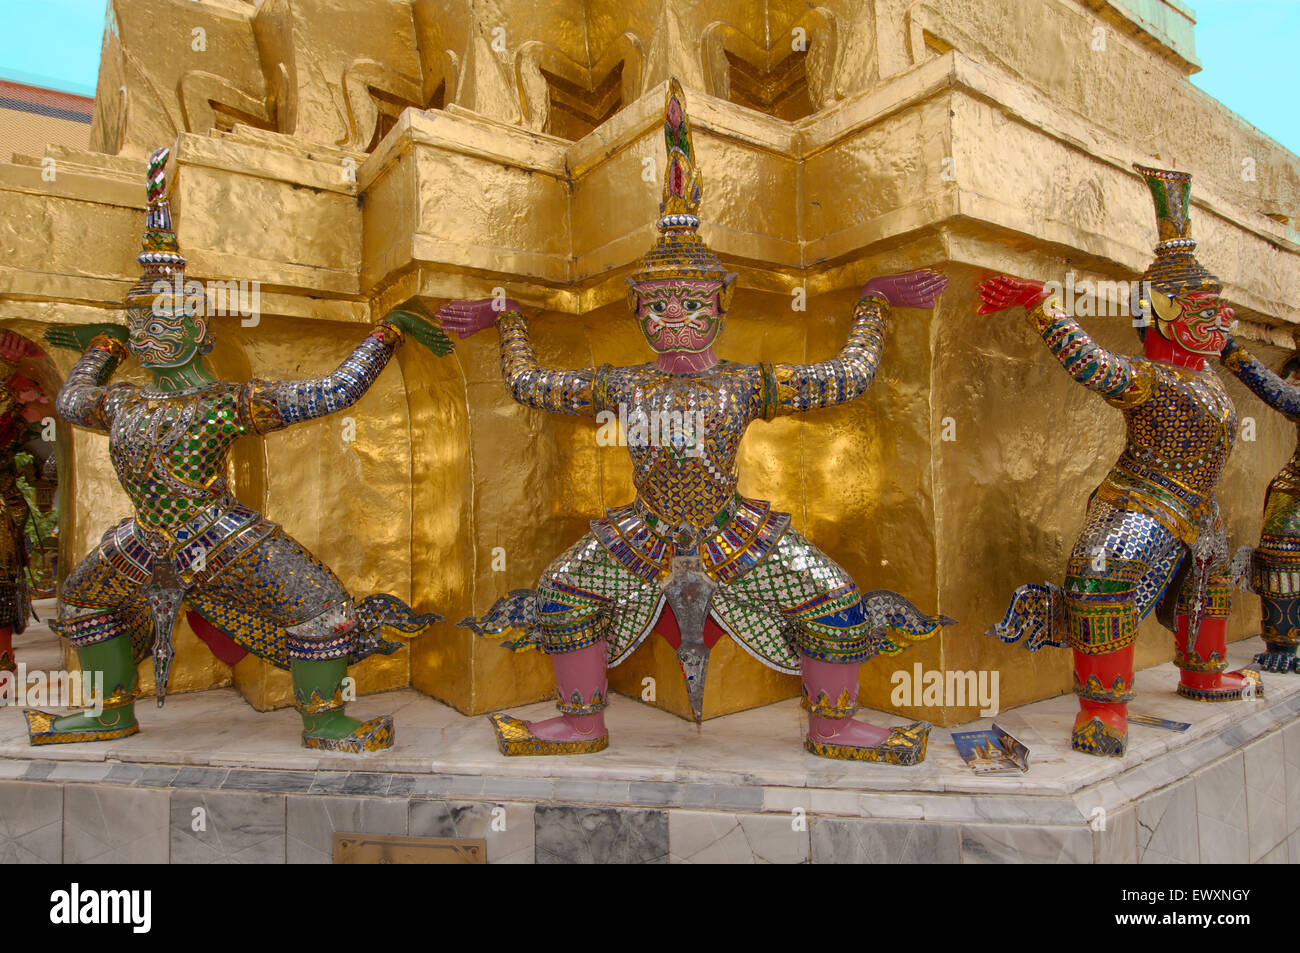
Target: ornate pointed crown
160, 256
680, 252
1175, 268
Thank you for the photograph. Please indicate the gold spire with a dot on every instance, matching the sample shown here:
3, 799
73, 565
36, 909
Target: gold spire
160, 258
679, 251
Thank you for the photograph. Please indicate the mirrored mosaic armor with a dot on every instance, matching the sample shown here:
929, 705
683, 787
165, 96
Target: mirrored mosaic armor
775, 592
689, 542
1153, 538
1273, 567
190, 538
245, 580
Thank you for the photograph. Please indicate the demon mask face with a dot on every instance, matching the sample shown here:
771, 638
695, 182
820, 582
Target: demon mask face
1196, 321
169, 331
679, 315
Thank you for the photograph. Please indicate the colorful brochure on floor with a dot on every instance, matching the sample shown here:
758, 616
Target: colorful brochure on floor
991, 751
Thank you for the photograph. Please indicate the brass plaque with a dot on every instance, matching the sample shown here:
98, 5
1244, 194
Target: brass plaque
399, 849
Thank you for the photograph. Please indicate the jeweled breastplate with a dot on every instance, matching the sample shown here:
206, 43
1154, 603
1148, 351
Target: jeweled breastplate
1178, 442
683, 434
169, 451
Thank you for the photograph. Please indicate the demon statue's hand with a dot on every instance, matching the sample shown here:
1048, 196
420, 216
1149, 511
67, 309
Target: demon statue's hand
15, 347
912, 289
422, 330
77, 337
467, 317
1004, 291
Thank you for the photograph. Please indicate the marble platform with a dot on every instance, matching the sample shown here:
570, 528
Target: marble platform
738, 789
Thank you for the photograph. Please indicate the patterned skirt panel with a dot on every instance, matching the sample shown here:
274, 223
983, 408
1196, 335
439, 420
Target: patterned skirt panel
796, 600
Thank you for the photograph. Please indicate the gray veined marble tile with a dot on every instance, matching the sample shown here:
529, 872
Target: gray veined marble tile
1265, 762
744, 798
659, 794
430, 785
128, 774
593, 835
1291, 757
198, 777
227, 827
1221, 819
154, 776
88, 771
1115, 840
112, 825
712, 837
509, 829
359, 782
296, 782
854, 841
541, 789
400, 785
1015, 844
312, 821
328, 782
1167, 832
31, 823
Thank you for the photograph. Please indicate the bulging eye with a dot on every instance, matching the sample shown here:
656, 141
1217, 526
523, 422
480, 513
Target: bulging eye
1209, 312
155, 328
691, 304
659, 307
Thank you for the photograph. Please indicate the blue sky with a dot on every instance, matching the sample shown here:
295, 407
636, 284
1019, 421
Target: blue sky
1249, 51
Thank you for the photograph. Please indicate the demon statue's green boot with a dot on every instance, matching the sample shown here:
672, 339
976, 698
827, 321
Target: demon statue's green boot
113, 715
318, 696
